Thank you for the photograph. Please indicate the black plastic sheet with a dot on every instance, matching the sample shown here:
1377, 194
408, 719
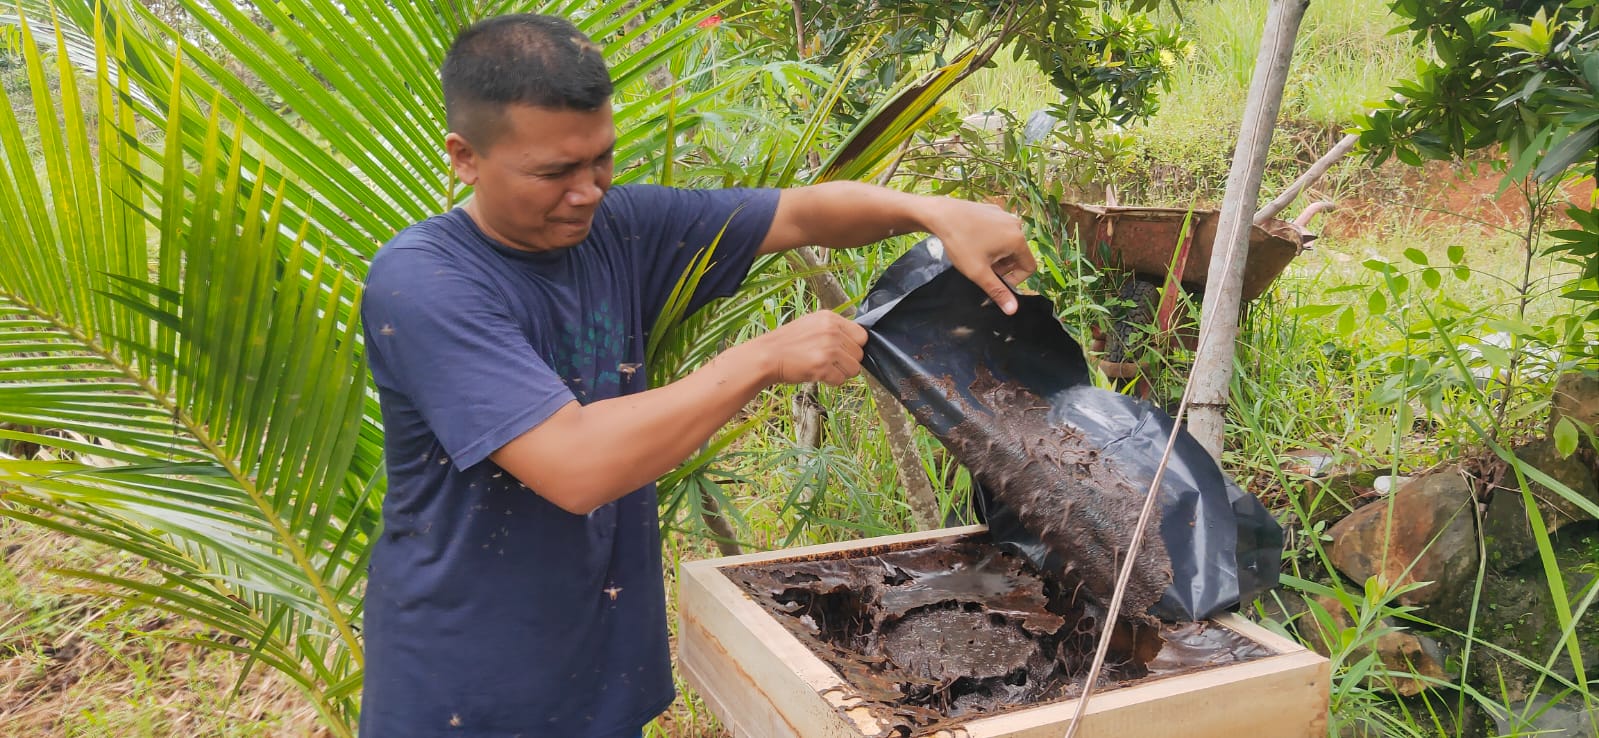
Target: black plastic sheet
1060, 466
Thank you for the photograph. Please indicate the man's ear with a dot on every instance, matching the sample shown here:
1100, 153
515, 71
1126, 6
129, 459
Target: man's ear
463, 158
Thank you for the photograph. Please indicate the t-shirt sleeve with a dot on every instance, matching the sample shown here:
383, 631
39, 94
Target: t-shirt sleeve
448, 343
669, 229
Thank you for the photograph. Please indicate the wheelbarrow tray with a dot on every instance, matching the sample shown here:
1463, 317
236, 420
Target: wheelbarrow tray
1143, 240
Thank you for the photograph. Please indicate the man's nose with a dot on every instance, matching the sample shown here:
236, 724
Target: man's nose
585, 191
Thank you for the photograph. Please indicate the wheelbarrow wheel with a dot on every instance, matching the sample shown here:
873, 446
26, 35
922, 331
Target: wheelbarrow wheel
1132, 319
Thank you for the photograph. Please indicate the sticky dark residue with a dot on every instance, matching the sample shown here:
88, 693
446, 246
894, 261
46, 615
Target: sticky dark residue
1076, 499
937, 635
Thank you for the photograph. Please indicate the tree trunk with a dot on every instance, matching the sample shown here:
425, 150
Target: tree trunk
807, 416
1213, 363
901, 434
722, 532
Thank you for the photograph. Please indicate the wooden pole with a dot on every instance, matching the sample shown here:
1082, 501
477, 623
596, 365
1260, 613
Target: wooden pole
1213, 364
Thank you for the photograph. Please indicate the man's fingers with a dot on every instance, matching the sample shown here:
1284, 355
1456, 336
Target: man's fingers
855, 333
1016, 268
843, 371
1029, 264
851, 350
996, 290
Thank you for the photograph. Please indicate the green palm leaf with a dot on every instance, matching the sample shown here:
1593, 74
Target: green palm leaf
225, 383
178, 285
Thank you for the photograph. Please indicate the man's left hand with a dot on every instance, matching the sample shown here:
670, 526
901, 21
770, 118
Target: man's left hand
983, 242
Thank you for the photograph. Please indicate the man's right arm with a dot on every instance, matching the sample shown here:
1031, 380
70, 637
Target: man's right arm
585, 456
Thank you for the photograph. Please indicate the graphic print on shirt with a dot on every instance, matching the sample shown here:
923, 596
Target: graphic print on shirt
592, 367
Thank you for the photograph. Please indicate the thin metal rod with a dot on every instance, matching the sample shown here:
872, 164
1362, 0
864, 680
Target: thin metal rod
1315, 172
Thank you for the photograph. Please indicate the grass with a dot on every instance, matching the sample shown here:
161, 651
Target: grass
1345, 59
70, 665
1338, 357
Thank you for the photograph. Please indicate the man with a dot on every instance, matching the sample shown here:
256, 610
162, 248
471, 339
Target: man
516, 588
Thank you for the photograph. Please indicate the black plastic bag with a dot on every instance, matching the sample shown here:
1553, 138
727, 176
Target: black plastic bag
1062, 466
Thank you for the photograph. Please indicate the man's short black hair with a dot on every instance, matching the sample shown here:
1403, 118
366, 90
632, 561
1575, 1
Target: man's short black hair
526, 59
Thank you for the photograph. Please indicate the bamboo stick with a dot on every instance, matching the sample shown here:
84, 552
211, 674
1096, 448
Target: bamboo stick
1213, 363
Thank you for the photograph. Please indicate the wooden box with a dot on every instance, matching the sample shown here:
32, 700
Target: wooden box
763, 682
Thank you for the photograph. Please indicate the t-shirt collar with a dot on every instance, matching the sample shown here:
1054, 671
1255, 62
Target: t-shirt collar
532, 257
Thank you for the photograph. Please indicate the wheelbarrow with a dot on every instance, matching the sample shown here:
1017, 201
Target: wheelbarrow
1161, 248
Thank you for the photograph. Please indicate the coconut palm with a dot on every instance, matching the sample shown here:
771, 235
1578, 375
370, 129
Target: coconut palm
178, 277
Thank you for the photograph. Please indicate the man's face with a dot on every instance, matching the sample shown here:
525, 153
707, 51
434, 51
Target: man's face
538, 184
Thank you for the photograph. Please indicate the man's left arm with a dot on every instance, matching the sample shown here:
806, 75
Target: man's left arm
982, 241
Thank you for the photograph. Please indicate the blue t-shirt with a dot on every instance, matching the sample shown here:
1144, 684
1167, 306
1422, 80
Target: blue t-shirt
489, 610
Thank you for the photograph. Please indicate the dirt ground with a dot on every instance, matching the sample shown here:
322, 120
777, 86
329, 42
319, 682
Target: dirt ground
1449, 194
72, 664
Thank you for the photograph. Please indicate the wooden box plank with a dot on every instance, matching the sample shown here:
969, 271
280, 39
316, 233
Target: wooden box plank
762, 682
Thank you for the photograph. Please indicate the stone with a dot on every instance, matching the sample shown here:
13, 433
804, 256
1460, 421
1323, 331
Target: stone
1566, 719
1401, 650
1308, 462
1506, 530
1433, 538
1517, 614
1408, 652
1040, 123
1329, 499
990, 122
1576, 396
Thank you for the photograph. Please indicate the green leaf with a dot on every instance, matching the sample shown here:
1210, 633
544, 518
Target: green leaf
1416, 256
1589, 61
1457, 253
1493, 355
1377, 303
1346, 323
1313, 312
1431, 278
179, 277
1566, 437
1577, 145
869, 148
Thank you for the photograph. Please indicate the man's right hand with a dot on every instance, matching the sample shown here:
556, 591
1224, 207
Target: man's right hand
584, 456
821, 347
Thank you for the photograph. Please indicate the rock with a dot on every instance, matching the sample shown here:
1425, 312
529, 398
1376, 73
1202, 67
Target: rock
1307, 462
1538, 716
1040, 123
1577, 397
1518, 615
1400, 650
990, 122
1507, 533
1537, 360
1432, 539
1331, 498
1404, 651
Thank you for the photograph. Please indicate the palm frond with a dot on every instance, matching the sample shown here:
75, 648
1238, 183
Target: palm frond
226, 383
